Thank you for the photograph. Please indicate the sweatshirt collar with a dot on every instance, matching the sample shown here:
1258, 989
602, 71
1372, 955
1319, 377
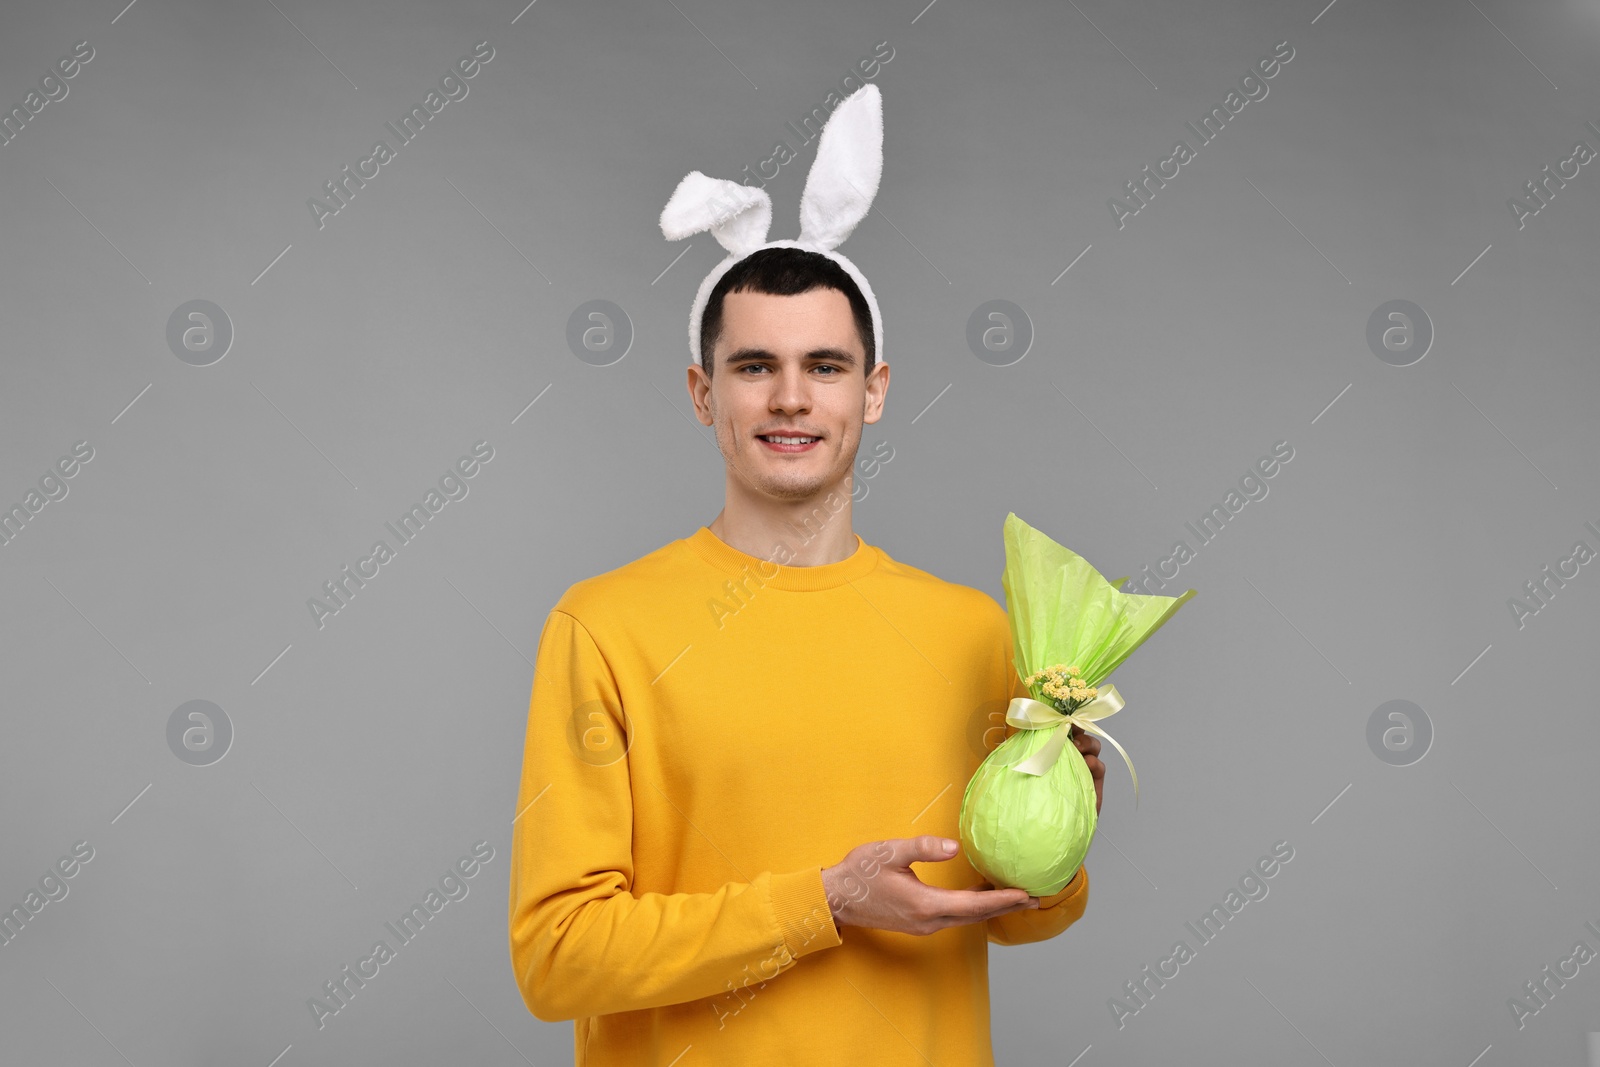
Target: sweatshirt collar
769, 572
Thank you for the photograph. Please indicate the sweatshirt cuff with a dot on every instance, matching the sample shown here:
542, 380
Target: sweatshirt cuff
804, 916
1078, 885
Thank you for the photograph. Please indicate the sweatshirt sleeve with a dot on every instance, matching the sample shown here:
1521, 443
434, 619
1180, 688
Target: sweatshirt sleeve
582, 942
1056, 912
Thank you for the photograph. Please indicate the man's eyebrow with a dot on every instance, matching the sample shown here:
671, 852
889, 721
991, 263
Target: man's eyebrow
742, 355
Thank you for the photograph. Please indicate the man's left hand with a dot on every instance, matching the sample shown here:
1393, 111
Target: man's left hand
1089, 746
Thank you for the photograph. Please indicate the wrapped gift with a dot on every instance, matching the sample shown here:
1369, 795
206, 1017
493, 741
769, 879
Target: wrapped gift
1028, 814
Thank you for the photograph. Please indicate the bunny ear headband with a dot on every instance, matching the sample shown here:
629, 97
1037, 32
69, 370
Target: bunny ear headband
838, 193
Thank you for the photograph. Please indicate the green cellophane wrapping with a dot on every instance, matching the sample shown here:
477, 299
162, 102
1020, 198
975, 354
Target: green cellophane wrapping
1018, 830
1032, 831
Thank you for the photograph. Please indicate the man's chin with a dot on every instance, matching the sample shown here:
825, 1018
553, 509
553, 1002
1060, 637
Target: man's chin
793, 494
792, 491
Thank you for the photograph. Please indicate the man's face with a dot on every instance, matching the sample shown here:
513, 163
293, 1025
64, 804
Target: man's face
789, 366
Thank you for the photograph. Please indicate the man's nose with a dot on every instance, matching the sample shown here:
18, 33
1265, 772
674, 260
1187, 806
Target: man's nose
790, 392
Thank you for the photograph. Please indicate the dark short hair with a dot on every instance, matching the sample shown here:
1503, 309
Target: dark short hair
783, 272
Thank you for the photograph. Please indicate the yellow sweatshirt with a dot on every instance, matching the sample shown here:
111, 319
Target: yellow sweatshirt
707, 731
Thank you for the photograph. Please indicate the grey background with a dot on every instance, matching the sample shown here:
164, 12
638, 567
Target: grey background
1228, 315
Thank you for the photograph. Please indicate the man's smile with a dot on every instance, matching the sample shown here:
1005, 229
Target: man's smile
789, 443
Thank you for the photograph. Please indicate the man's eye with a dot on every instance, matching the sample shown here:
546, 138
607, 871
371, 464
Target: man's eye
821, 366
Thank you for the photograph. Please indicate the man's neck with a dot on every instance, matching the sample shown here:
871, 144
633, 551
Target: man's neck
810, 535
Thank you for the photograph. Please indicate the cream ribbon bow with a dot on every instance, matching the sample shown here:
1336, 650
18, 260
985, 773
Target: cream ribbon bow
1025, 713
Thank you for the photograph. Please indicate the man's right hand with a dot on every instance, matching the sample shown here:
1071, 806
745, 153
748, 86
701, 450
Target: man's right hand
874, 886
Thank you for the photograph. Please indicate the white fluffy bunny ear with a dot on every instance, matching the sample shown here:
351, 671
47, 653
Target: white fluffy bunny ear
844, 177
738, 216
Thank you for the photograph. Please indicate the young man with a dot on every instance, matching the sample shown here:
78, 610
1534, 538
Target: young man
714, 725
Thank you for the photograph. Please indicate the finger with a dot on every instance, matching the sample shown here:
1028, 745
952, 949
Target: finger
1026, 905
966, 904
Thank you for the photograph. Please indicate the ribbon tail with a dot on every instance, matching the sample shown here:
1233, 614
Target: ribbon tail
1093, 729
1042, 760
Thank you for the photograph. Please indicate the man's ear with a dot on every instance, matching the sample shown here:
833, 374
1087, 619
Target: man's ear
699, 385
877, 392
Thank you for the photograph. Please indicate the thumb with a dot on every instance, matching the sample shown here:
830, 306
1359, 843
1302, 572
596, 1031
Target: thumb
928, 848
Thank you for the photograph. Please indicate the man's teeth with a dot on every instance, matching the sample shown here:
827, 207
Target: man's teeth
787, 440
